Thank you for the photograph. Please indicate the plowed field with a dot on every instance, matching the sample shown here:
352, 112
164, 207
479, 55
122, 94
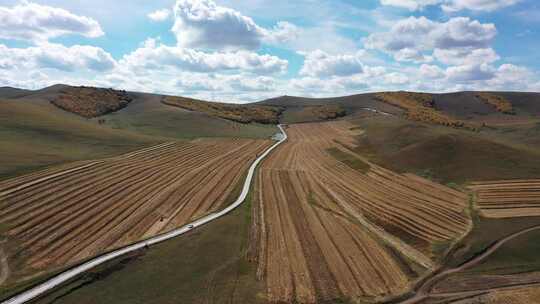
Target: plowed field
508, 198
327, 229
63, 215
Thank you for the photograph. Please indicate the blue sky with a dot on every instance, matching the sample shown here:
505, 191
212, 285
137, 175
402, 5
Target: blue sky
241, 51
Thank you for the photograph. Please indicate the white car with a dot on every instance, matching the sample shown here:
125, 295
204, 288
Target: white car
190, 226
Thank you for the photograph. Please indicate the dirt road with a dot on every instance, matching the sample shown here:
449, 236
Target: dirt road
424, 291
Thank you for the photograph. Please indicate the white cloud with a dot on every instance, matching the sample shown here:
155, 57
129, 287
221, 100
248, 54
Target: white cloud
452, 5
431, 71
469, 56
205, 25
252, 84
160, 15
34, 22
321, 64
477, 5
512, 77
410, 39
154, 56
56, 56
470, 72
412, 5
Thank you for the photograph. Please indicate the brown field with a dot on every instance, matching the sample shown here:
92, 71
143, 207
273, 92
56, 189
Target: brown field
327, 229
91, 102
515, 295
238, 113
500, 103
528, 295
60, 216
419, 107
508, 198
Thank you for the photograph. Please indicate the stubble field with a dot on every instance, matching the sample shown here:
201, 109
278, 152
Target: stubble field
330, 225
508, 198
58, 217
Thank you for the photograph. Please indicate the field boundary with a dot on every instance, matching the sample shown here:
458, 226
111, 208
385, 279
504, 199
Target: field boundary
69, 274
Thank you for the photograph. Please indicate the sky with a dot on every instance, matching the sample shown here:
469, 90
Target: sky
243, 51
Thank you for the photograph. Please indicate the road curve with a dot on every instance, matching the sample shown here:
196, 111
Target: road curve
424, 292
73, 272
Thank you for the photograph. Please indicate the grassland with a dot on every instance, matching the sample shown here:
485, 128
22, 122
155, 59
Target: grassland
64, 215
446, 155
35, 136
147, 115
326, 231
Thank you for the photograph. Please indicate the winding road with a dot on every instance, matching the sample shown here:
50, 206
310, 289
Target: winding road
424, 291
77, 270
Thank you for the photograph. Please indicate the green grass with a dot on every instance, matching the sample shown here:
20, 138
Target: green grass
518, 255
486, 231
153, 118
207, 264
36, 136
444, 154
349, 159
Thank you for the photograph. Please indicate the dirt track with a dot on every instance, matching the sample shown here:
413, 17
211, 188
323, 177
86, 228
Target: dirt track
424, 292
4, 267
325, 230
60, 220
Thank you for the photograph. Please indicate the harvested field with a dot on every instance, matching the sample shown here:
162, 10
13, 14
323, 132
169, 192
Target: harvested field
58, 217
528, 295
515, 295
508, 198
328, 228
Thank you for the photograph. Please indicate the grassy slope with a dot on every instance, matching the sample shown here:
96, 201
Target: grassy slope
37, 135
444, 154
147, 115
206, 266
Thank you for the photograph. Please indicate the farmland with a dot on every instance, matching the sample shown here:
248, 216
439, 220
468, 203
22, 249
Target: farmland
508, 198
327, 226
66, 214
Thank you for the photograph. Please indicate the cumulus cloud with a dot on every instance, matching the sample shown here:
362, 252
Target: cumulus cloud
470, 72
412, 5
204, 24
154, 56
466, 56
252, 84
56, 56
35, 22
452, 5
160, 15
321, 64
477, 5
431, 71
410, 38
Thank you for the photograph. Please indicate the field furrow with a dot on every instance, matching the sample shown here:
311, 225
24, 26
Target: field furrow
342, 219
